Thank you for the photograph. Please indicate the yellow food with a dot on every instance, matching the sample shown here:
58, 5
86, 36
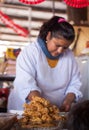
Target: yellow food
40, 112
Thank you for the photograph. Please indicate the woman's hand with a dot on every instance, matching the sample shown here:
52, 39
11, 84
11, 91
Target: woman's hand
33, 93
66, 106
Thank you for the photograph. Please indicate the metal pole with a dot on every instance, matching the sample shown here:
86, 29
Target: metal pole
53, 9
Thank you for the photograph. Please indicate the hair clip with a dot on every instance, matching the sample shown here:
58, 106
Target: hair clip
61, 20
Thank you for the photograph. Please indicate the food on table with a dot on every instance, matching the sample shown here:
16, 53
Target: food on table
40, 113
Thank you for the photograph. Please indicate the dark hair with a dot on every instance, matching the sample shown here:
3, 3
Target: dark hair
78, 118
57, 29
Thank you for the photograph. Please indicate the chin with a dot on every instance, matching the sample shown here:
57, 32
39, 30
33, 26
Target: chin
56, 55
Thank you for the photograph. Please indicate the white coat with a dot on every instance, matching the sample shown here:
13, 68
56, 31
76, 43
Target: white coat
34, 73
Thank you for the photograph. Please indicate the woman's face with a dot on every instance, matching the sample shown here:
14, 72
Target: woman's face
57, 46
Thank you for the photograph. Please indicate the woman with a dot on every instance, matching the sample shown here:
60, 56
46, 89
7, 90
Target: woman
47, 68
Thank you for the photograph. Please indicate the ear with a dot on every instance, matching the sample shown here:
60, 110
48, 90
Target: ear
48, 37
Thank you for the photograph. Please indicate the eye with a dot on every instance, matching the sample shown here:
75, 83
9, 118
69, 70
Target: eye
61, 46
65, 47
58, 46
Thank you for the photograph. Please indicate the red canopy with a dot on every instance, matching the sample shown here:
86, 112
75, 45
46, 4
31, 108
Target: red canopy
31, 1
77, 3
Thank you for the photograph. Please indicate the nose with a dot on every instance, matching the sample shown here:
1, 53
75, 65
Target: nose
60, 50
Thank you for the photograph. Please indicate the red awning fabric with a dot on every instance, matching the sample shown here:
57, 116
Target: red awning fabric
31, 1
77, 3
10, 23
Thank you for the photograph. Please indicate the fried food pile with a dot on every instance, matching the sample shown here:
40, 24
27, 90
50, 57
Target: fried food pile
40, 113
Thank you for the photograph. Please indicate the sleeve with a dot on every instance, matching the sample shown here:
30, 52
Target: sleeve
75, 82
26, 73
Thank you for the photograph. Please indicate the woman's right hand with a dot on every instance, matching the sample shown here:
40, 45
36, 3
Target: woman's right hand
33, 93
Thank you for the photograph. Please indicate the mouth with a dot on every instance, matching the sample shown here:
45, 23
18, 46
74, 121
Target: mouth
55, 54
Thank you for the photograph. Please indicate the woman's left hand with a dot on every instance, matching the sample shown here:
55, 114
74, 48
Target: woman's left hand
66, 106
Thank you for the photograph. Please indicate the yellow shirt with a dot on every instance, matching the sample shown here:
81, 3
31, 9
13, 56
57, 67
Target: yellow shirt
52, 63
